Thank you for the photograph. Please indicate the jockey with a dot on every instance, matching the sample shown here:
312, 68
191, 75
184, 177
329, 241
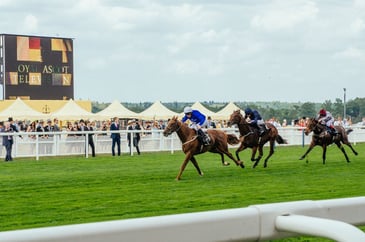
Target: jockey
198, 121
255, 120
325, 117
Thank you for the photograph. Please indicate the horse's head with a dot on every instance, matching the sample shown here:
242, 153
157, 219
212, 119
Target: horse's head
172, 126
311, 125
235, 118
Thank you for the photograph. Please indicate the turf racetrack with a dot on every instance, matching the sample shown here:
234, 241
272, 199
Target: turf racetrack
71, 190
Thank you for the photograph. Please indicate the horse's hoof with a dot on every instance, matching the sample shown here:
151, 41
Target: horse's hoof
202, 174
301, 158
242, 165
226, 164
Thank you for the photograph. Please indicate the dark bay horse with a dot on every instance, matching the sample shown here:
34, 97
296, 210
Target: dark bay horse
250, 137
323, 138
191, 145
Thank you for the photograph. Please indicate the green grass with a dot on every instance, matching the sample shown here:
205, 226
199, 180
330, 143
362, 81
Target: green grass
71, 190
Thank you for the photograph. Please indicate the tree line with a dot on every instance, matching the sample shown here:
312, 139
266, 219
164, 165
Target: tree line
355, 109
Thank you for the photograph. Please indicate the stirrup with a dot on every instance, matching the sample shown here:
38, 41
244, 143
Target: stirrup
323, 134
206, 140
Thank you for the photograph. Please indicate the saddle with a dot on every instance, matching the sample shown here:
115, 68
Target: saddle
203, 137
330, 131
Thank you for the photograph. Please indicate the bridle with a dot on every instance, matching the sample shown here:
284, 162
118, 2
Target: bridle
170, 131
315, 126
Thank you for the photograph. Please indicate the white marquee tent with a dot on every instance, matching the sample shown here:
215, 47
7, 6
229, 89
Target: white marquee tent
115, 109
226, 112
204, 110
157, 111
18, 110
72, 111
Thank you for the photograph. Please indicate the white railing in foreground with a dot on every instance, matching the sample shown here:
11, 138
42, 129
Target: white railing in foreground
334, 219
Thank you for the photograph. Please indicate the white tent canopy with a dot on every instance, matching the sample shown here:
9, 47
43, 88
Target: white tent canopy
21, 111
72, 111
157, 111
115, 109
225, 112
202, 109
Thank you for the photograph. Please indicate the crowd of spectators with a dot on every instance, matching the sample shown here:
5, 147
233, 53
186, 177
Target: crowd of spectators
146, 125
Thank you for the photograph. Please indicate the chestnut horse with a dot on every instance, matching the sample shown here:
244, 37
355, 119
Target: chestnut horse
191, 145
323, 138
250, 137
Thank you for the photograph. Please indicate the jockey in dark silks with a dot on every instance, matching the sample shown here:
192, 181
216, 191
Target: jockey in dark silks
198, 121
256, 120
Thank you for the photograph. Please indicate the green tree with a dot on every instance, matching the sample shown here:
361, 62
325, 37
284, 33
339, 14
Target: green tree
308, 109
327, 105
338, 108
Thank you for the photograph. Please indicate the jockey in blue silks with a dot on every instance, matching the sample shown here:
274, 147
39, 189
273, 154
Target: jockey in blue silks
255, 120
198, 121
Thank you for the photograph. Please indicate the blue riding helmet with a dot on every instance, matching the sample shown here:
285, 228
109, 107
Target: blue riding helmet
248, 111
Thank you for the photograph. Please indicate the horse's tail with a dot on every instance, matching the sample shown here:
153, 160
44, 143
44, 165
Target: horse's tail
349, 131
280, 140
232, 139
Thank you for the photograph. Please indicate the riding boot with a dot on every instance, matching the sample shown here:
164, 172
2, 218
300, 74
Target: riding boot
333, 130
261, 130
204, 137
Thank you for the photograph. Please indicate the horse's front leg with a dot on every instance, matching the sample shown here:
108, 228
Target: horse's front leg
241, 148
257, 160
253, 154
308, 150
183, 165
195, 163
324, 147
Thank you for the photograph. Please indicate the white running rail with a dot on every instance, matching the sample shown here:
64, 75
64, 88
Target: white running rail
334, 219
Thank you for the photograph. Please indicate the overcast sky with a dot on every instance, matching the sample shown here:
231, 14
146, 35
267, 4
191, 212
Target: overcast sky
204, 50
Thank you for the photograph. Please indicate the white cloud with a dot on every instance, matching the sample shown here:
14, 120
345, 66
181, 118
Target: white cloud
357, 26
197, 66
359, 4
5, 2
350, 53
30, 23
284, 15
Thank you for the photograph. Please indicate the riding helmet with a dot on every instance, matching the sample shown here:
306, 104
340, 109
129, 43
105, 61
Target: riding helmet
248, 111
188, 110
322, 112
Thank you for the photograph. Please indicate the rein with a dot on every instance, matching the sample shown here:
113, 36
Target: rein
179, 127
187, 142
249, 133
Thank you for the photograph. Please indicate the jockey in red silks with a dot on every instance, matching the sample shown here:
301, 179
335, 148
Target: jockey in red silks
198, 121
325, 117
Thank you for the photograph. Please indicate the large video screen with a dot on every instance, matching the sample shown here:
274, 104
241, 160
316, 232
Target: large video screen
38, 68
